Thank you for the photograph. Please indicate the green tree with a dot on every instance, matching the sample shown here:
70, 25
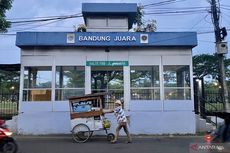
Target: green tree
102, 79
81, 28
4, 5
76, 79
141, 25
206, 64
9, 82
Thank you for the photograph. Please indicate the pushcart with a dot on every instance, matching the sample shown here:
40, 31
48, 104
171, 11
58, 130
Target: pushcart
86, 113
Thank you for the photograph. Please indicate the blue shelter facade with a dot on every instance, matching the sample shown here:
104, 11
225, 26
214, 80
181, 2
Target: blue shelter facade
151, 71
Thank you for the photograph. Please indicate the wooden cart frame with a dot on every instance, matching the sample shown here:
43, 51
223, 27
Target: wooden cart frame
86, 113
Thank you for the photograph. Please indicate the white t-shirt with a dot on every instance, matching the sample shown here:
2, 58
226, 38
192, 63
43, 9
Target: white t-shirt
120, 114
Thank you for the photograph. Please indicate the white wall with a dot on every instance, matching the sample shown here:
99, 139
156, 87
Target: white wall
148, 122
44, 122
147, 117
107, 24
166, 122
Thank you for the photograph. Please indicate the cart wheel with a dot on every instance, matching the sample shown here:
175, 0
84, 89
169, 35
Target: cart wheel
81, 133
91, 134
110, 136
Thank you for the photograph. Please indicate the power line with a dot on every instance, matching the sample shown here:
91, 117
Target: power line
178, 8
225, 5
206, 41
199, 21
40, 17
50, 20
20, 30
208, 32
225, 8
46, 19
199, 33
192, 7
162, 3
188, 12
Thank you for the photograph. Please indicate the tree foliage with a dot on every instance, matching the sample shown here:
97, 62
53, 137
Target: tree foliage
81, 28
9, 81
76, 79
102, 79
141, 25
206, 64
4, 5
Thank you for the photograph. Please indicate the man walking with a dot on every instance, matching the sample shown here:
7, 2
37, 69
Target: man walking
121, 120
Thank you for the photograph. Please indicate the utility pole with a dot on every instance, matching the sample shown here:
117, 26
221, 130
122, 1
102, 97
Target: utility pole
222, 77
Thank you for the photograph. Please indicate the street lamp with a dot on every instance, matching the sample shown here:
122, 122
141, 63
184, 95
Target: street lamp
12, 88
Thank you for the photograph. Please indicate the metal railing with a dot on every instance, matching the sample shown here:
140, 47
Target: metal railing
213, 101
208, 103
8, 105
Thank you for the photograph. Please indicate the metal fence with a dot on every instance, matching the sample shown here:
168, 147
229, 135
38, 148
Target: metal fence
8, 105
213, 101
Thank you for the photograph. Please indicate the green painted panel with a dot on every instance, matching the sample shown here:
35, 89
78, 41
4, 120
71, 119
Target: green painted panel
107, 63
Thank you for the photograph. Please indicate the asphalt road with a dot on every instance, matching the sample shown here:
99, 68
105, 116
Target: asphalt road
65, 144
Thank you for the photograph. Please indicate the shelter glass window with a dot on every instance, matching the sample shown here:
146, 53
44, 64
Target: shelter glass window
70, 81
177, 82
145, 84
37, 83
108, 79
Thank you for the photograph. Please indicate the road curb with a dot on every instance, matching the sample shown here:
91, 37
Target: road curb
104, 137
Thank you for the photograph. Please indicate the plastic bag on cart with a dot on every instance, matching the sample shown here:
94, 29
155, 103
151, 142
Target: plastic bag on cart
106, 123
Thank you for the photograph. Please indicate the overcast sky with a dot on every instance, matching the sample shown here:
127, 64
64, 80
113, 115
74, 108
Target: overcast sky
198, 21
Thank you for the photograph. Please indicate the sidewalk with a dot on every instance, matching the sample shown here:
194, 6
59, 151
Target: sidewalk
61, 136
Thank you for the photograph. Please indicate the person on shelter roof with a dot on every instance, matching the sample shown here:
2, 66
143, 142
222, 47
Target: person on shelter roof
121, 120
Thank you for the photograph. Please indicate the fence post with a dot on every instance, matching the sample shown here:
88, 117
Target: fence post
202, 102
196, 95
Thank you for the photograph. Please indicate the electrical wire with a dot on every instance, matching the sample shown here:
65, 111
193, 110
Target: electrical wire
205, 41
199, 21
40, 17
158, 11
225, 8
20, 30
207, 32
177, 10
188, 12
46, 19
162, 3
192, 7
225, 5
32, 22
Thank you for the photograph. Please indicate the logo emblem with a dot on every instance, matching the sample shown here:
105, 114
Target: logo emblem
70, 38
144, 38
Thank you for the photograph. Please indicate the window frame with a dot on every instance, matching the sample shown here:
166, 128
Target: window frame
62, 89
187, 89
152, 87
28, 97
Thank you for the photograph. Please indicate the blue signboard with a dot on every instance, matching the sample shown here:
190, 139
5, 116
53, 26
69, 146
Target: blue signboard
106, 39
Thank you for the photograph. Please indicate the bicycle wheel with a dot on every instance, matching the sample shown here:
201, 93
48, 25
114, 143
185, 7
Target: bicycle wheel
110, 137
81, 133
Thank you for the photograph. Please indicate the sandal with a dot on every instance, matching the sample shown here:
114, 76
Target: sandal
113, 141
